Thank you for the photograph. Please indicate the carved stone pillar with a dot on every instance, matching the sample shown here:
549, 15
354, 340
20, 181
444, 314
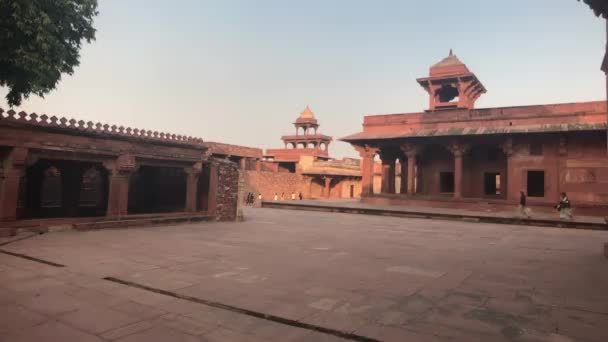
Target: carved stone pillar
410, 152
458, 150
11, 171
192, 176
510, 186
243, 163
367, 154
388, 171
119, 173
326, 187
403, 184
213, 187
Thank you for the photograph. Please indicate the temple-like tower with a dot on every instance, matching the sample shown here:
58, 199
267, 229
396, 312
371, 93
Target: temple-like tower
451, 85
306, 133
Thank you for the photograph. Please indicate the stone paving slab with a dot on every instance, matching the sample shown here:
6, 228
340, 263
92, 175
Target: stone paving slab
541, 218
386, 278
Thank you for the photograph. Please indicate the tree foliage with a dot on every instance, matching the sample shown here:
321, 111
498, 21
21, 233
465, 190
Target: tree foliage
600, 7
39, 41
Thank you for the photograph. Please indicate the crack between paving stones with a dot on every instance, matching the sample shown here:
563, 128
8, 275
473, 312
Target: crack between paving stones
31, 258
277, 319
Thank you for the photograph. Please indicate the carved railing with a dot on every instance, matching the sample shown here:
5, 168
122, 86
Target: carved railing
44, 120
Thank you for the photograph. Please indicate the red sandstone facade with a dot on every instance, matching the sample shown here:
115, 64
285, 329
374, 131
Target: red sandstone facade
302, 167
54, 169
453, 154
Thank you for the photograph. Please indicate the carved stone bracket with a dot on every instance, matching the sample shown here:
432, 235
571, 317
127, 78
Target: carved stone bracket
366, 151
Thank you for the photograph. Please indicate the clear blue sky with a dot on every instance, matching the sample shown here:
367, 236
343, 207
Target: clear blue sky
241, 71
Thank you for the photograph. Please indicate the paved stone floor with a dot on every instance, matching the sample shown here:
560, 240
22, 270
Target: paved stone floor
513, 213
385, 278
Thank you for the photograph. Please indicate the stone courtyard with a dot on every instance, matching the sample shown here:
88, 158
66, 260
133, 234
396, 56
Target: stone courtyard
307, 277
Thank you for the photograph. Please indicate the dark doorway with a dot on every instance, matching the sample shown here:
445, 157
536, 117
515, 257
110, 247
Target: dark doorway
492, 183
289, 167
157, 190
446, 182
536, 183
352, 191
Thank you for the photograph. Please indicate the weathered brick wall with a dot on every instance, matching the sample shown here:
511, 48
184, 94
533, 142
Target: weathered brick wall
227, 190
268, 183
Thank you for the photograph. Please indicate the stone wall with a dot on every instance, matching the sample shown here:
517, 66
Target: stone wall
227, 190
268, 183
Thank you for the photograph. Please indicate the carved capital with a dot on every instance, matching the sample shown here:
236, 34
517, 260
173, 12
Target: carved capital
194, 170
409, 150
458, 149
124, 164
16, 159
562, 149
507, 147
366, 151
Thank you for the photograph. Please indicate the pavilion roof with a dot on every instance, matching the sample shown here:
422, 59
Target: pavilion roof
469, 131
448, 61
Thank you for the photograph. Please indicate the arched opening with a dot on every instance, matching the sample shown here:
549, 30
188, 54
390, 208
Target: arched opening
93, 197
486, 172
435, 171
63, 188
447, 93
51, 189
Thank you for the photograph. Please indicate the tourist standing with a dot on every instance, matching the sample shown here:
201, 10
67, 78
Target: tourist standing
523, 208
300, 195
564, 207
276, 197
293, 196
282, 196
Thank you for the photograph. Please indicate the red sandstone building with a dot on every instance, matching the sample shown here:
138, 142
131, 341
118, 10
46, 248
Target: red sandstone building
456, 155
56, 170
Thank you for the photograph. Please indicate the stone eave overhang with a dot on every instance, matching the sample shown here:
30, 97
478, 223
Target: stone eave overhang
345, 173
474, 131
465, 77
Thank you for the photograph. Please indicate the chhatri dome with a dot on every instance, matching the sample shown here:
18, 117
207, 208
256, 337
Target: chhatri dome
307, 117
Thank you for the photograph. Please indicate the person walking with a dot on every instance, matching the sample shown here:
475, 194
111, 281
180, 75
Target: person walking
293, 196
564, 207
276, 197
300, 195
282, 196
523, 208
